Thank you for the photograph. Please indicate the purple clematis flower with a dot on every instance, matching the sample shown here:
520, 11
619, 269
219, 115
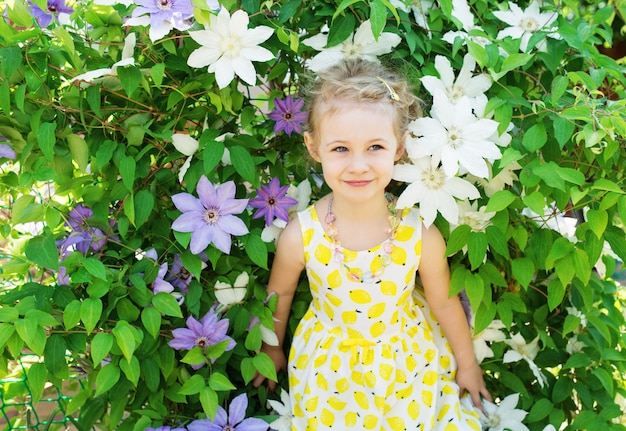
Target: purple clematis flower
162, 16
6, 151
164, 428
83, 237
210, 219
204, 333
288, 115
272, 202
235, 420
54, 8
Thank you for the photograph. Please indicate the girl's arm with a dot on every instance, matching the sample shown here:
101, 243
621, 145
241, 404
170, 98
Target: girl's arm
435, 275
286, 269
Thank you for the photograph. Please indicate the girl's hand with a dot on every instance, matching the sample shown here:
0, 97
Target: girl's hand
277, 356
470, 379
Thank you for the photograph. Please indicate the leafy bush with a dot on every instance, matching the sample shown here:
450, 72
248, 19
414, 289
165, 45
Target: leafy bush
115, 121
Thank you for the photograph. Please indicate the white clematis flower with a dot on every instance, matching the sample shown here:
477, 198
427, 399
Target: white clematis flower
491, 334
283, 409
229, 47
466, 84
461, 11
228, 295
454, 136
420, 9
127, 60
302, 194
188, 146
524, 23
360, 45
432, 189
503, 417
527, 352
471, 215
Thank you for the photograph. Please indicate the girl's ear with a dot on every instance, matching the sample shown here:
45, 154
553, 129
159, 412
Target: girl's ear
401, 150
311, 147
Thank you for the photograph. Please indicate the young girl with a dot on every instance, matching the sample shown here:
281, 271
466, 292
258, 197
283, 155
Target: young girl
367, 354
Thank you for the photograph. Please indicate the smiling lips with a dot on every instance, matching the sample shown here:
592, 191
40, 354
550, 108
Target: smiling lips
358, 183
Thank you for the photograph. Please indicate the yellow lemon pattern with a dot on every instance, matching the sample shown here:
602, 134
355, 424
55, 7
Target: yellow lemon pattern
369, 355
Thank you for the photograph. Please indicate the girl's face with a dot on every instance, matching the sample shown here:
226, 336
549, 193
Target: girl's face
357, 147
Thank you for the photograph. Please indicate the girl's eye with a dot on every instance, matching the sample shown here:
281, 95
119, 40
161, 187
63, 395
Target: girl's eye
376, 147
340, 149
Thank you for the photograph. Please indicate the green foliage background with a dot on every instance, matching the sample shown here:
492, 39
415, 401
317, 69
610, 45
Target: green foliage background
107, 144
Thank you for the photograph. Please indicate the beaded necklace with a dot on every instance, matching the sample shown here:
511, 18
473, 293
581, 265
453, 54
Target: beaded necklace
356, 274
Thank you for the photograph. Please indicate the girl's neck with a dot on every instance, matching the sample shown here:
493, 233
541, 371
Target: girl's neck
360, 212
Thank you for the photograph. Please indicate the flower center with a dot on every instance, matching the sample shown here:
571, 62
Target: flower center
271, 202
456, 92
52, 9
433, 178
288, 116
455, 138
164, 4
529, 24
211, 216
231, 46
202, 342
352, 49
494, 420
184, 274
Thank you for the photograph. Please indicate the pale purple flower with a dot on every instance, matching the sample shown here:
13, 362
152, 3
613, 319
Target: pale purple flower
272, 202
210, 330
6, 151
53, 9
164, 428
162, 16
179, 276
210, 219
83, 237
288, 115
235, 420
159, 284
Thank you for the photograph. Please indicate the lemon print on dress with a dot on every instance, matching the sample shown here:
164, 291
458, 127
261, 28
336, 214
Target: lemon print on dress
342, 385
404, 393
349, 317
357, 377
327, 417
385, 371
411, 363
360, 296
321, 382
336, 403
444, 361
316, 279
311, 424
306, 237
351, 419
377, 329
329, 311
427, 398
396, 423
398, 256
370, 422
414, 409
430, 355
334, 279
319, 361
323, 254
418, 247
302, 361
376, 310
361, 400
333, 299
335, 363
451, 427
448, 390
430, 378
370, 379
443, 411
388, 288
404, 233
400, 376
310, 405
349, 255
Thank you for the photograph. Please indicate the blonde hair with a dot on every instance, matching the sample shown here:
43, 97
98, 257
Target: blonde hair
362, 81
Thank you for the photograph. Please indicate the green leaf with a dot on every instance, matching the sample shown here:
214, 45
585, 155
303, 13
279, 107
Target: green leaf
166, 304
248, 371
106, 379
130, 78
578, 360
46, 138
256, 249
125, 338
341, 27
606, 379
607, 185
55, 355
561, 248
6, 330
151, 374
144, 204
478, 52
9, 314
194, 357
192, 263
459, 238
244, 164
570, 324
220, 382
79, 150
550, 175
90, 312
127, 171
71, 314
5, 97
475, 289
378, 17
42, 250
523, 270
151, 320
254, 338
26, 329
11, 59
556, 293
500, 200
615, 238
535, 138
209, 401
212, 154
131, 369
157, 72
265, 366
193, 386
343, 6
597, 221
25, 210
559, 85
100, 347
95, 267
37, 378
563, 130
93, 97
477, 248
514, 61
129, 208
539, 410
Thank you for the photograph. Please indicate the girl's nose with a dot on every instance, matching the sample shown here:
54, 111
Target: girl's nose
359, 163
